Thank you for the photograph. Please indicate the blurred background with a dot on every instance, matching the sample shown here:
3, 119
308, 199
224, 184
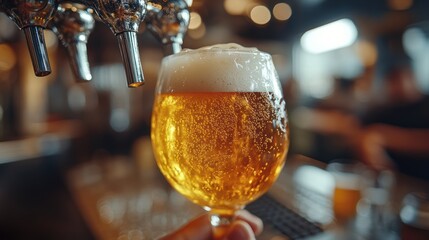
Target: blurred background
335, 59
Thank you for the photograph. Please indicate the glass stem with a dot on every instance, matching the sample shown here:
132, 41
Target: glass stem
220, 225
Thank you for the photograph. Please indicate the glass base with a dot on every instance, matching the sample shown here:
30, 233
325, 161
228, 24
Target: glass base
220, 225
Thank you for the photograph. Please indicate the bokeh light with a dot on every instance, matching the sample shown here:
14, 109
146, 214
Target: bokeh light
282, 11
197, 33
195, 21
334, 35
367, 51
260, 15
415, 42
235, 7
400, 4
7, 57
189, 2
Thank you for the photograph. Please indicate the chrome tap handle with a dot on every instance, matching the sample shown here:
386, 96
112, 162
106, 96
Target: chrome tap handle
32, 16
168, 21
37, 48
73, 24
124, 17
131, 58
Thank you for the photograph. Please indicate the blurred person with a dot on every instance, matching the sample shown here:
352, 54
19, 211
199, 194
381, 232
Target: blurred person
391, 133
395, 133
246, 226
329, 121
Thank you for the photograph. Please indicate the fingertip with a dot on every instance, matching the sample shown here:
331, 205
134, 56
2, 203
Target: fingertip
240, 230
255, 222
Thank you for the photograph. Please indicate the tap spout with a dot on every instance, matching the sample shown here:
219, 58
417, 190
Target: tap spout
32, 17
131, 59
73, 24
124, 17
37, 49
168, 21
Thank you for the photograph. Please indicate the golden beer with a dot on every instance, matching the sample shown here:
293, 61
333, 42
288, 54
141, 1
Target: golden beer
219, 126
347, 191
345, 201
221, 150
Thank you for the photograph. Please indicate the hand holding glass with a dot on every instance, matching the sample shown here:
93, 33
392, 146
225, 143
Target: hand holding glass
219, 127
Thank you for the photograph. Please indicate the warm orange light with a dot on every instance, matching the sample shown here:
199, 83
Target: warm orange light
235, 7
198, 32
195, 20
367, 52
282, 11
7, 58
400, 4
260, 15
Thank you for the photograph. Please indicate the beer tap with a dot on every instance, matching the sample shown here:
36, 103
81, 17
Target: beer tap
168, 21
73, 24
123, 18
32, 16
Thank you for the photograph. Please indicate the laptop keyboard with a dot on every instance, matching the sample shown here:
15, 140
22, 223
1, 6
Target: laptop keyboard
283, 219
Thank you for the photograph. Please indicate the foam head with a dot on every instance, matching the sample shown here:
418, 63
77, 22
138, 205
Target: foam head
219, 68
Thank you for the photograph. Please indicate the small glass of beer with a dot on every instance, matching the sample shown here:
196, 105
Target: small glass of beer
219, 127
348, 189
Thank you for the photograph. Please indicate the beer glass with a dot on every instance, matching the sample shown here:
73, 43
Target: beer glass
347, 191
219, 127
